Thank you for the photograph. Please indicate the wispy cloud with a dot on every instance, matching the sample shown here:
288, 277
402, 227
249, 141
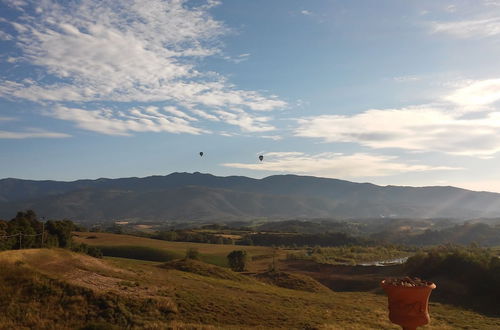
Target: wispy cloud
336, 165
451, 8
492, 3
237, 59
475, 28
272, 137
127, 51
172, 110
247, 122
306, 12
5, 36
445, 127
406, 79
19, 4
125, 122
32, 133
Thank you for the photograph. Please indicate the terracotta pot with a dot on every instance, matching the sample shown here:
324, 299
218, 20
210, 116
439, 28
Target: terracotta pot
408, 306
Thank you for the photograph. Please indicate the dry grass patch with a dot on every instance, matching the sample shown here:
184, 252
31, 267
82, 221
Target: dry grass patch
183, 295
203, 269
292, 281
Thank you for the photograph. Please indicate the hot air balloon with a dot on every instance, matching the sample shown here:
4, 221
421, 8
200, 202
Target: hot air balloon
261, 157
201, 153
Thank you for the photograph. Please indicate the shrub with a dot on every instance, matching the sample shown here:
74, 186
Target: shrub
94, 252
192, 253
237, 260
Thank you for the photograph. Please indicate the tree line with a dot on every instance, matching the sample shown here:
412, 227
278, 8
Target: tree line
300, 240
26, 231
475, 272
191, 236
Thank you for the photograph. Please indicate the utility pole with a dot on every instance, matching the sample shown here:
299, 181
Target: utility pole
20, 239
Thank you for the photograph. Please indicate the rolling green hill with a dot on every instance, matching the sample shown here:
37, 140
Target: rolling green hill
210, 253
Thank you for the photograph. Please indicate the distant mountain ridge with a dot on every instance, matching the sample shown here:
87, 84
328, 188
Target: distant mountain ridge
198, 196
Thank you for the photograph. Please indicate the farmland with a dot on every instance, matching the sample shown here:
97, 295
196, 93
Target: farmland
215, 254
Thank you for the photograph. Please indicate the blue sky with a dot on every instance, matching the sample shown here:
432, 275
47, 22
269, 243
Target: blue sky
388, 91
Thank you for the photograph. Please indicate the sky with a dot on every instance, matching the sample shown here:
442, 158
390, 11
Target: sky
385, 91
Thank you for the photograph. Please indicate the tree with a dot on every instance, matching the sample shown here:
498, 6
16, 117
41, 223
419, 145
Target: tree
62, 230
24, 223
237, 260
192, 253
4, 244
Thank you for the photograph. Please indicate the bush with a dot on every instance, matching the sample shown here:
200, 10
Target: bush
94, 252
192, 253
237, 260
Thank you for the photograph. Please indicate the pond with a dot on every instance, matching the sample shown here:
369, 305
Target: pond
382, 263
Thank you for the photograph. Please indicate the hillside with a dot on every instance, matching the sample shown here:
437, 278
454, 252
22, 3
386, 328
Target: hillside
197, 196
144, 295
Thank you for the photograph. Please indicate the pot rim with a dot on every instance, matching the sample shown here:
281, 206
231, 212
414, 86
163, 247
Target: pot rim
430, 285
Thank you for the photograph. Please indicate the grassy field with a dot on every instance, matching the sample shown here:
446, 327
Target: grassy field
126, 245
74, 289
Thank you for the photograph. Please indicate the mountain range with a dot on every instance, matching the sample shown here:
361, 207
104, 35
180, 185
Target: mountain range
199, 196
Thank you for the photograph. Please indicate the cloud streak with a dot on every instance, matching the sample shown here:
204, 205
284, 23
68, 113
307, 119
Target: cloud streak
334, 165
33, 133
114, 122
475, 28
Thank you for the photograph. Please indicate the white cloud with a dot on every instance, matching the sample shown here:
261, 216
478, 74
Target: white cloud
174, 111
246, 122
113, 122
335, 165
488, 27
476, 94
31, 133
205, 115
454, 128
128, 51
306, 12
